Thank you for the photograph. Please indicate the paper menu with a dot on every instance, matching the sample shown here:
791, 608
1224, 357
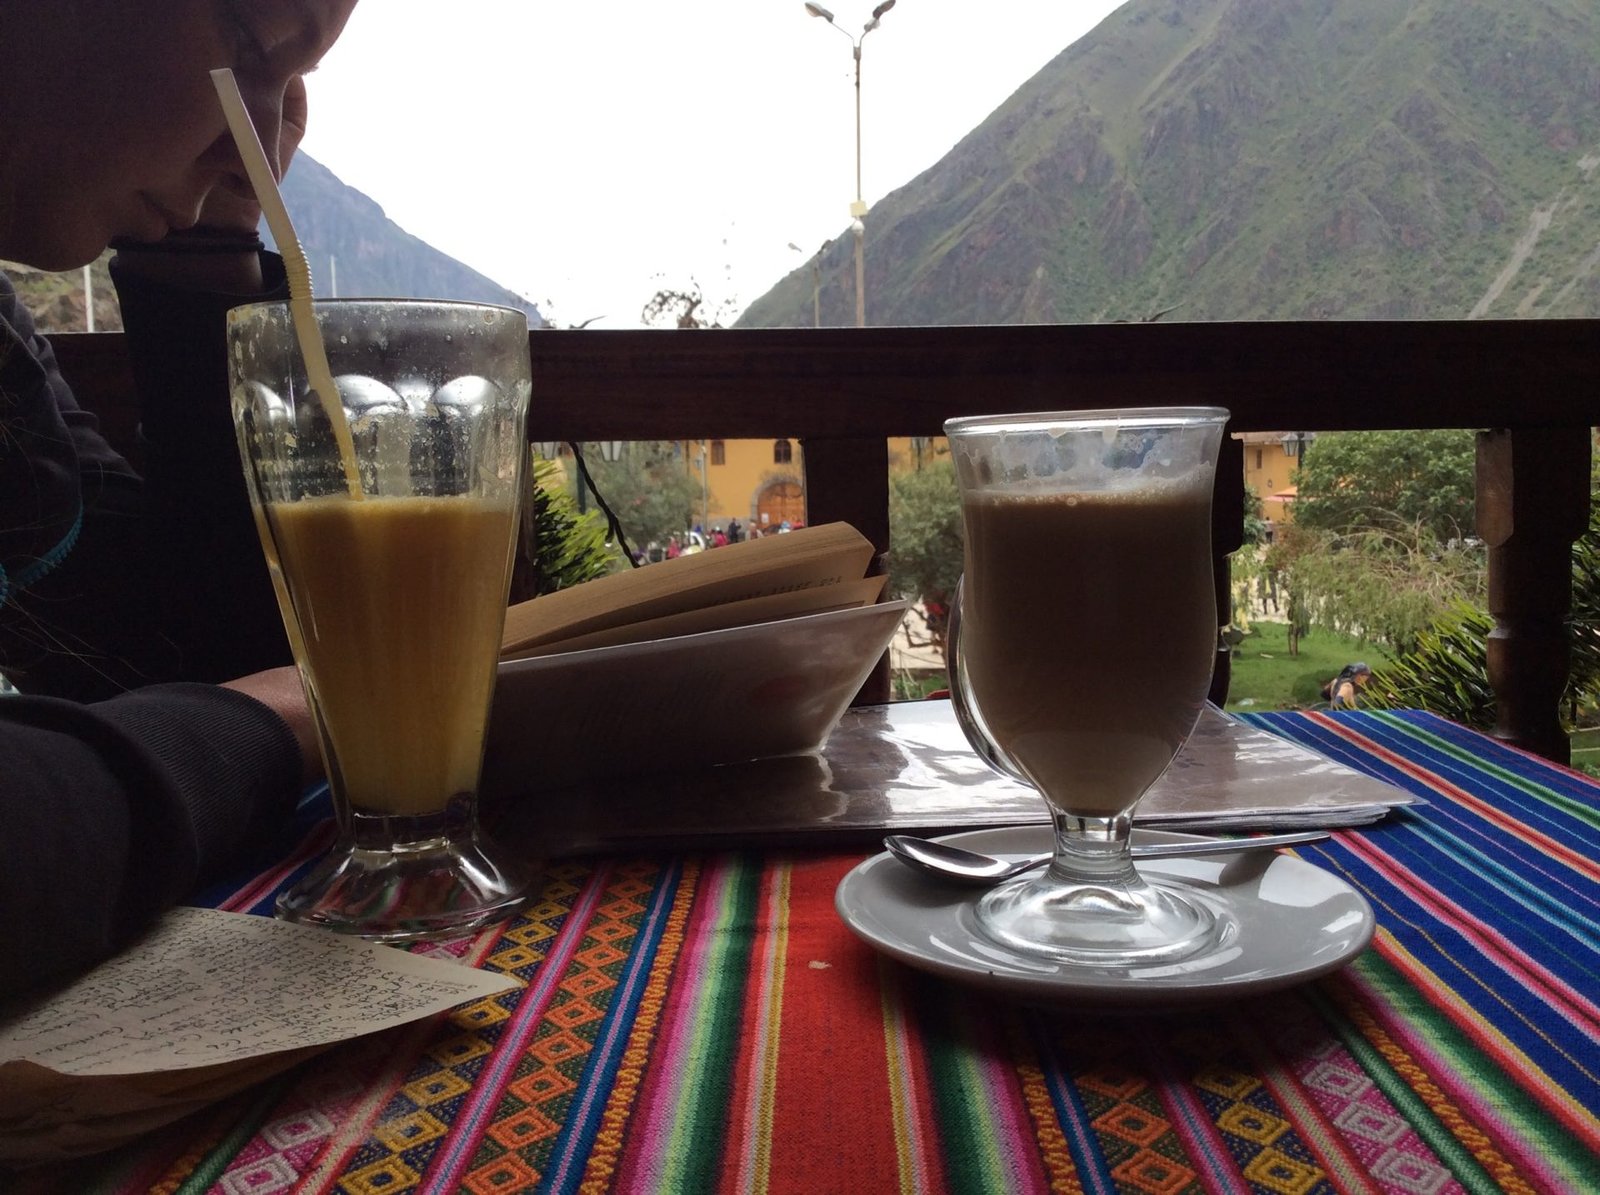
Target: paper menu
206, 987
906, 768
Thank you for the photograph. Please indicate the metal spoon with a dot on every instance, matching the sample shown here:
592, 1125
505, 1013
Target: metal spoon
962, 866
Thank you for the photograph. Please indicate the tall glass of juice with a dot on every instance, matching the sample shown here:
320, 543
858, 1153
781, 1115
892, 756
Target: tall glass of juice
389, 540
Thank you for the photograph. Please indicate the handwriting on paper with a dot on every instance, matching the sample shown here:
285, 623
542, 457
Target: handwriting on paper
207, 986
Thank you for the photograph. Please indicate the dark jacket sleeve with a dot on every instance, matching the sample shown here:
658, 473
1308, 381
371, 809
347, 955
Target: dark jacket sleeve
203, 558
113, 811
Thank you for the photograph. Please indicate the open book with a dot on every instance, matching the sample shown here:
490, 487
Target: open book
735, 653
809, 571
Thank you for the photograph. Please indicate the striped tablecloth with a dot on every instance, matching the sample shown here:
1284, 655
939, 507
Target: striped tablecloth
700, 1023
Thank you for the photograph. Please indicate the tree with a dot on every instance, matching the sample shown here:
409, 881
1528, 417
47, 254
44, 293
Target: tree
1383, 584
1447, 672
926, 542
1255, 520
1381, 540
1247, 571
1348, 481
560, 545
670, 307
648, 487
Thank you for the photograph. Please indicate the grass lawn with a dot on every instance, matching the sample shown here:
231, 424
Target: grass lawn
1586, 750
1266, 677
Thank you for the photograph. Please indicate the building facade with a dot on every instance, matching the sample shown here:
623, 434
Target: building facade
759, 482
1271, 468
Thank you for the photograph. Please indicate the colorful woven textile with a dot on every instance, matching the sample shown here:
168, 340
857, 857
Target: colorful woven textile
707, 1023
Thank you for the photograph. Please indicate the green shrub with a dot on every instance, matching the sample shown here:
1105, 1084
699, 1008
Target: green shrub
1448, 671
925, 529
559, 546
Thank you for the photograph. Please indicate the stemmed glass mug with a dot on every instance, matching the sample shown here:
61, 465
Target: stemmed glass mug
1081, 644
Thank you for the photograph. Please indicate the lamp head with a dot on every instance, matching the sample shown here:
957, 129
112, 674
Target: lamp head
817, 10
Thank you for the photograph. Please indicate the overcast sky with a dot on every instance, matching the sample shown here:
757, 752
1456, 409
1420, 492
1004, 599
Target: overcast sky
585, 154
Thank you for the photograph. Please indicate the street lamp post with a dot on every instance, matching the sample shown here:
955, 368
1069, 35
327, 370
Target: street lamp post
816, 283
858, 209
88, 299
705, 489
816, 280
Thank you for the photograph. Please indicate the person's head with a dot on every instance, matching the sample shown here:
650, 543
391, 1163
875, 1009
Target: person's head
110, 125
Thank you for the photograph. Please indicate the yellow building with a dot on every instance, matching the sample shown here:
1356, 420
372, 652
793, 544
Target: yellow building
1271, 463
759, 482
762, 482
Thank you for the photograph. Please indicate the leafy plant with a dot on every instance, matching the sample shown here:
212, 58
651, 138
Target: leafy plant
685, 308
926, 538
1420, 481
1255, 519
1448, 670
650, 489
559, 546
1387, 584
1584, 685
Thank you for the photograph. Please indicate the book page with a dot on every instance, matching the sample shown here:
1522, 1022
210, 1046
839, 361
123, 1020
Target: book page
812, 557
750, 612
206, 987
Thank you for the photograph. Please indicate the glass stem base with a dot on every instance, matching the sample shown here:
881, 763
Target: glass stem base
1091, 906
406, 878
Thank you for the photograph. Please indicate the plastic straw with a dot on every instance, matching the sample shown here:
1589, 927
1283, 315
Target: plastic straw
301, 313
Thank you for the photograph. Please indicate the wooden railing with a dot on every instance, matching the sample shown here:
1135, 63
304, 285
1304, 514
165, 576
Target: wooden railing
1534, 385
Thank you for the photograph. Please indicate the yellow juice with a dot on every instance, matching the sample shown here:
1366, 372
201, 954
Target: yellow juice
400, 604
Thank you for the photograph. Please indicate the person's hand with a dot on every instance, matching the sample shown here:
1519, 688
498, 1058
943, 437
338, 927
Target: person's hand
281, 691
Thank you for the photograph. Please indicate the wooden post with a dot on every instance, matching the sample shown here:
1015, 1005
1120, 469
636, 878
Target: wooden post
1532, 503
848, 479
1227, 536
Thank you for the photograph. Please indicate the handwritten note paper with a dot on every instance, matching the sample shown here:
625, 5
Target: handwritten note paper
207, 987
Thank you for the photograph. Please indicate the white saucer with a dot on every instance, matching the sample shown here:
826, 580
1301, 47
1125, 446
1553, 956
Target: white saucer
1289, 921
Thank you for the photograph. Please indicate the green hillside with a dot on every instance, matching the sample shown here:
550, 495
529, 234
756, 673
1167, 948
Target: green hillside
1258, 159
57, 302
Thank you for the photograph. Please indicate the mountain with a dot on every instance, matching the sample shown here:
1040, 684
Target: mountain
1257, 159
343, 231
349, 241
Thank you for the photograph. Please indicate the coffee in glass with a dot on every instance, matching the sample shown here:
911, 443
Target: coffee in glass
1082, 644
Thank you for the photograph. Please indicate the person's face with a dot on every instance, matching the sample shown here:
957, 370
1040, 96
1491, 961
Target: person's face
110, 125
